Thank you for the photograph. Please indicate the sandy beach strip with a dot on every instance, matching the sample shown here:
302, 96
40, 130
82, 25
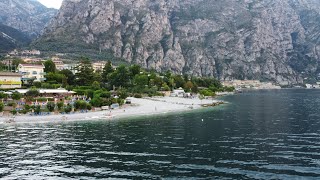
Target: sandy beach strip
139, 107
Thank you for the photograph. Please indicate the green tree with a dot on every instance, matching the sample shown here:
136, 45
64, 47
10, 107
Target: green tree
179, 81
27, 107
16, 96
3, 95
188, 86
95, 85
15, 63
33, 93
165, 87
68, 108
56, 78
120, 78
134, 70
141, 80
51, 106
1, 106
29, 82
80, 105
96, 102
122, 93
207, 92
85, 74
37, 109
107, 70
60, 105
70, 77
49, 66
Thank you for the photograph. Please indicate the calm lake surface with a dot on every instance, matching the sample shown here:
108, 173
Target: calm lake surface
259, 135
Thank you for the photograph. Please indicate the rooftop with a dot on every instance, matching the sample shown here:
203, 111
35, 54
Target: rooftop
10, 74
47, 91
32, 65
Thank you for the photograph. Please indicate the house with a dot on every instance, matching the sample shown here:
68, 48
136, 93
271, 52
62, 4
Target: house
32, 72
98, 66
33, 52
59, 64
72, 67
9, 80
178, 93
32, 60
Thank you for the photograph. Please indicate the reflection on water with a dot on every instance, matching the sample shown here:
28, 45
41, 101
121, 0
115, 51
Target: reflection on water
259, 135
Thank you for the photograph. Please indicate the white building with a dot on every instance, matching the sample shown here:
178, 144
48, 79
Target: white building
71, 67
98, 66
32, 71
9, 80
178, 93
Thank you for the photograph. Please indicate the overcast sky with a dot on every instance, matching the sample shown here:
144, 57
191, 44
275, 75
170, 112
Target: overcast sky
51, 3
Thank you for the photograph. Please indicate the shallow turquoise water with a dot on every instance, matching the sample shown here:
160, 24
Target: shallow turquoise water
259, 135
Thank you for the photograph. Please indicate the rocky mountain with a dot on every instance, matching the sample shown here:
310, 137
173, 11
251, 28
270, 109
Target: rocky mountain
11, 38
28, 16
270, 40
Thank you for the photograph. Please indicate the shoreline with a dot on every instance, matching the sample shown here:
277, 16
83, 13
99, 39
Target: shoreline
139, 107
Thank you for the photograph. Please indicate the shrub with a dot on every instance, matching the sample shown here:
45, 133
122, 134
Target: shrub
51, 106
33, 93
120, 101
37, 84
123, 94
89, 107
80, 105
60, 105
68, 108
14, 112
23, 111
105, 94
16, 96
3, 95
12, 104
42, 99
37, 109
96, 102
137, 96
1, 107
27, 107
207, 92
90, 93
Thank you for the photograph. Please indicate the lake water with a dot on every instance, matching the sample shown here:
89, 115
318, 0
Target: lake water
259, 135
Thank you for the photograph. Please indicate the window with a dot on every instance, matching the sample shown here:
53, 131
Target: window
34, 72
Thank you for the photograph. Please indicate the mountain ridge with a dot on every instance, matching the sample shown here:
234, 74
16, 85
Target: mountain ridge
272, 40
11, 38
28, 16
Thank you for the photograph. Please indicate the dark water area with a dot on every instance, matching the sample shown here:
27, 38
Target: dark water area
258, 135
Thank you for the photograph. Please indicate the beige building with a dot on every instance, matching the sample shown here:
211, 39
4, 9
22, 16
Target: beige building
9, 80
98, 66
32, 60
32, 71
59, 64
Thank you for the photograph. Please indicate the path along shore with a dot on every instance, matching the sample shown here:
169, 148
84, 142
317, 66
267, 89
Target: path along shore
139, 107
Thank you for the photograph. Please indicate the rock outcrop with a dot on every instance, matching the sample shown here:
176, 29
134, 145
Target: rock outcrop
270, 40
11, 38
27, 16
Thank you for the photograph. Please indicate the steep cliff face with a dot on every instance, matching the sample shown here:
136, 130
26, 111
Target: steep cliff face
28, 16
275, 40
11, 38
